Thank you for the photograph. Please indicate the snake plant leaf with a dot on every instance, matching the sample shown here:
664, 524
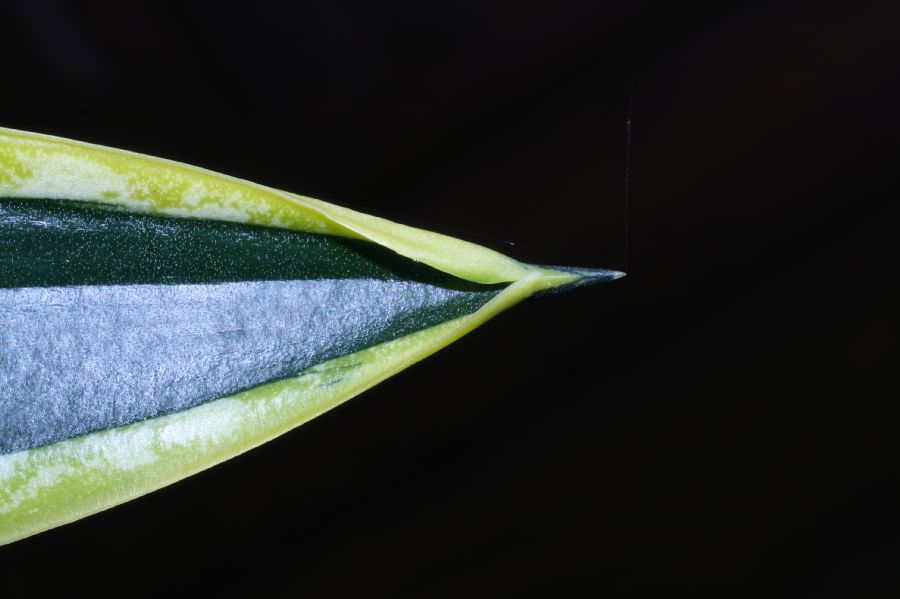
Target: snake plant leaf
157, 318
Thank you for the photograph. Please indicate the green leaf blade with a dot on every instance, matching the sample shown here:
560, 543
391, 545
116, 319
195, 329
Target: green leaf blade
144, 253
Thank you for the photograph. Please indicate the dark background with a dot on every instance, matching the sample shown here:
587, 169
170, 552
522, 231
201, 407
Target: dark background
722, 419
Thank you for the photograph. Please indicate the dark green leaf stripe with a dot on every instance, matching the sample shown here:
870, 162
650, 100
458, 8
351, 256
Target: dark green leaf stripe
47, 243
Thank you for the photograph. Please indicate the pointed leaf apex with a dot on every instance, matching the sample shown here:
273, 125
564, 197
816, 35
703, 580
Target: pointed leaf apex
583, 277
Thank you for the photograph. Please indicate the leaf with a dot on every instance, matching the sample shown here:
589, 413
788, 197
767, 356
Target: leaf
158, 318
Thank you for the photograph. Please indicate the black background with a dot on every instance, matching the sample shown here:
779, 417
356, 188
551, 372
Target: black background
720, 419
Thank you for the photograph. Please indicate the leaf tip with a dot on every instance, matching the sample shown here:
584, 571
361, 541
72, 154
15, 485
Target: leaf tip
580, 277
